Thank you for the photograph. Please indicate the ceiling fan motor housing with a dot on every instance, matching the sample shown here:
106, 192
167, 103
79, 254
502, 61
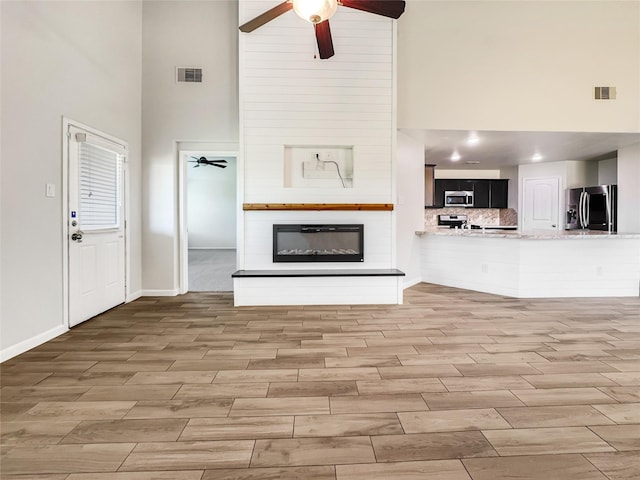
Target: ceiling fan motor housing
315, 11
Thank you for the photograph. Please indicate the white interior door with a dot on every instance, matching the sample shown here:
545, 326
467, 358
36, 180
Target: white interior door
541, 203
96, 225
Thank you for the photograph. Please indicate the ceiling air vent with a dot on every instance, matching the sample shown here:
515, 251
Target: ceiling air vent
605, 93
188, 75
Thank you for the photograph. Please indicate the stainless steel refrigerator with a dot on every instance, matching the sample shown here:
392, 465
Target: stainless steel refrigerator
592, 208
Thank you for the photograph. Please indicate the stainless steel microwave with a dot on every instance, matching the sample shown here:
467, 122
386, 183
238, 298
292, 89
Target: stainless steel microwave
462, 198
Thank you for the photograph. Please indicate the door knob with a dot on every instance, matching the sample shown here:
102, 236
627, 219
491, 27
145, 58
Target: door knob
77, 236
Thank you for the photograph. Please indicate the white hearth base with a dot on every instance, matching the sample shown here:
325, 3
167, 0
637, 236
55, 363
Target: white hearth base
321, 290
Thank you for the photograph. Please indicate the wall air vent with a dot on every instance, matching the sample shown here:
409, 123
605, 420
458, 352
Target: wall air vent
188, 75
605, 93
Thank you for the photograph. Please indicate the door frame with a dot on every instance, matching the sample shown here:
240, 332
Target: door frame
183, 239
66, 123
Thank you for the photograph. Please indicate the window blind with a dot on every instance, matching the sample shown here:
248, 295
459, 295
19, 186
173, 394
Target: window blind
100, 175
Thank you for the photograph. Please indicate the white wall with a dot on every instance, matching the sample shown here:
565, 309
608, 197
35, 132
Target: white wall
519, 65
290, 98
511, 174
629, 189
572, 173
77, 59
608, 171
211, 205
581, 173
192, 34
462, 173
409, 207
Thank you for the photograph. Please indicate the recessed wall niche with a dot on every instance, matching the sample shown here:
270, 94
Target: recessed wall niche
318, 166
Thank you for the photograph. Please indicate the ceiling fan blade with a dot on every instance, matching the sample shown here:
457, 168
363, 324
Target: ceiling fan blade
216, 165
217, 160
386, 8
267, 16
323, 37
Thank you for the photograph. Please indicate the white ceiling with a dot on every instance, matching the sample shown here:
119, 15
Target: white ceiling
497, 149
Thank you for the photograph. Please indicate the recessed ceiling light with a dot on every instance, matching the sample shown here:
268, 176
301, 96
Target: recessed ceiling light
536, 157
455, 156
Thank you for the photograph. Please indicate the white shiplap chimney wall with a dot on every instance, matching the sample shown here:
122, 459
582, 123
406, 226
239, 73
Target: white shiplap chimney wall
290, 98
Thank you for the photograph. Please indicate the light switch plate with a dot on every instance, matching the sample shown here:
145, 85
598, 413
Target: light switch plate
50, 190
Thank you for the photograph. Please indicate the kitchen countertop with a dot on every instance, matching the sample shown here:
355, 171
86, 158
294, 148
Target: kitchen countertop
527, 235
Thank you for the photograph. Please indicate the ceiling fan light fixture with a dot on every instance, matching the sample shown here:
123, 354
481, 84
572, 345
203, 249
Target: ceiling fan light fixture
315, 11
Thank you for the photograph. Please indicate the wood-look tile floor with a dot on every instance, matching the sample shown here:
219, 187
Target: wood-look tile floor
452, 385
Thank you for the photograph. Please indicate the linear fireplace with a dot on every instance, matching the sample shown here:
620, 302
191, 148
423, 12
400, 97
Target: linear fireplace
318, 243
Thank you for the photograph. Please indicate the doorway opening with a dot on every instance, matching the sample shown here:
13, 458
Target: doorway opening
208, 220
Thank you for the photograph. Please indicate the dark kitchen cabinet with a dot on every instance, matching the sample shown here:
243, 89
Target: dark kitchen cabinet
499, 194
486, 193
481, 193
441, 186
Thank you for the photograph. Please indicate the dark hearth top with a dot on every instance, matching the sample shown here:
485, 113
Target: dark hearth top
352, 272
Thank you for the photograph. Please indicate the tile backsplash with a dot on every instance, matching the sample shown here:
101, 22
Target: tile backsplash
476, 216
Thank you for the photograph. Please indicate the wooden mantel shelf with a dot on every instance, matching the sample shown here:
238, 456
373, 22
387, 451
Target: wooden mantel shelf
319, 206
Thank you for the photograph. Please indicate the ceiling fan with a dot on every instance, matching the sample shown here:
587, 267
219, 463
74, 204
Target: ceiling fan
318, 13
216, 162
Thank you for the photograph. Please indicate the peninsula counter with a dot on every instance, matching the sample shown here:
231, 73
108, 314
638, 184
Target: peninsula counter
533, 264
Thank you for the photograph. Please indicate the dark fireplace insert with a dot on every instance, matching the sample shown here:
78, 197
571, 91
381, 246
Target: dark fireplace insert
318, 243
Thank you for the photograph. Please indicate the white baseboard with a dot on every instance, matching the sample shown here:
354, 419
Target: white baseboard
159, 293
213, 248
133, 296
32, 342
